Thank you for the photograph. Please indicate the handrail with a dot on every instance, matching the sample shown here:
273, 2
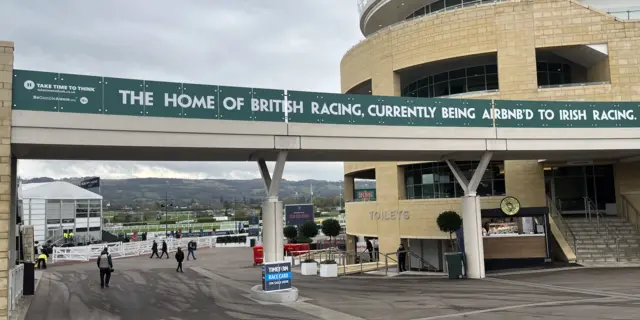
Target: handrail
429, 266
609, 231
386, 262
629, 12
562, 224
387, 257
627, 204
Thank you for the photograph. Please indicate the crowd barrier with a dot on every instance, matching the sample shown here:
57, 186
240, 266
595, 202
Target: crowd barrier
16, 281
132, 249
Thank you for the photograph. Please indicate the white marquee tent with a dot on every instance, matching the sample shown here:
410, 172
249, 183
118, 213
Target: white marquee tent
51, 207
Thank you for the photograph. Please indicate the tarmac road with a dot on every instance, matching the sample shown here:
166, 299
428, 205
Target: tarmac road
216, 286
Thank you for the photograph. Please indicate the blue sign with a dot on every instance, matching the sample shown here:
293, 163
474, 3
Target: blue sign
254, 232
276, 276
253, 220
298, 214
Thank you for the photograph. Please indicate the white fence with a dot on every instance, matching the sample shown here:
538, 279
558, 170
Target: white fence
131, 249
16, 280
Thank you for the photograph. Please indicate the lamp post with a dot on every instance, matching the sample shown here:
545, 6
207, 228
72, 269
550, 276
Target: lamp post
166, 206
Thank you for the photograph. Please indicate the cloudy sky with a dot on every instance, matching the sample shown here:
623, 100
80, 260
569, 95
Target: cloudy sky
292, 44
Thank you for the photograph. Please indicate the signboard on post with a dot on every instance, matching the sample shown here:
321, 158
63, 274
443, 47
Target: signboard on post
297, 214
365, 195
276, 276
254, 225
90, 183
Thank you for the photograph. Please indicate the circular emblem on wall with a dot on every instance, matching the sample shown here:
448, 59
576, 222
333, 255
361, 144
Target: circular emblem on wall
29, 85
84, 100
510, 206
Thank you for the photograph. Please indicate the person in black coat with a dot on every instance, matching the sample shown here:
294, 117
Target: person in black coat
179, 258
164, 249
154, 250
402, 258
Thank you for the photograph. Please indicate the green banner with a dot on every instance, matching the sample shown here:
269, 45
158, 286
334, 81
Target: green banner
541, 114
365, 195
57, 92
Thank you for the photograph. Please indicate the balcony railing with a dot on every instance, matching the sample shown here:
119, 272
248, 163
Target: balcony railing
630, 13
363, 5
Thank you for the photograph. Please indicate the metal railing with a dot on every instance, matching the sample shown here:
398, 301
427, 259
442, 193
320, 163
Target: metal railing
131, 249
16, 280
591, 210
367, 3
363, 5
562, 225
627, 214
161, 227
632, 13
424, 265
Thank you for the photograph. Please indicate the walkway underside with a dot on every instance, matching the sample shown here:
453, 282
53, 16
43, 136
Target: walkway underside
56, 135
213, 153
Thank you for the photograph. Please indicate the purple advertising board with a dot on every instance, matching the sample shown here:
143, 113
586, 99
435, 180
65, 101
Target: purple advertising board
297, 214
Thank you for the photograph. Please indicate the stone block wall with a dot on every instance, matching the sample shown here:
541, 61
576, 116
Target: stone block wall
7, 223
512, 30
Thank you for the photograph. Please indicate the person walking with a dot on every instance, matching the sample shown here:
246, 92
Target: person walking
370, 249
105, 264
164, 250
179, 258
402, 256
191, 248
154, 250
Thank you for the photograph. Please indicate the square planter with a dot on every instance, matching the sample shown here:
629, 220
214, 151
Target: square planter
309, 268
328, 270
289, 258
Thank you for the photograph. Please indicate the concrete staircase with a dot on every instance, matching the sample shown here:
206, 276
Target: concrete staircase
596, 248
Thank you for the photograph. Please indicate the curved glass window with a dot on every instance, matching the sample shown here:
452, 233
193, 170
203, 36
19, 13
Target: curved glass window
435, 180
479, 78
445, 5
553, 74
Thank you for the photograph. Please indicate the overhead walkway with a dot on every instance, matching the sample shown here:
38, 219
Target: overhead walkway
63, 116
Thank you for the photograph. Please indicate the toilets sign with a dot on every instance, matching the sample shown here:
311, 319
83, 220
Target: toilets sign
57, 92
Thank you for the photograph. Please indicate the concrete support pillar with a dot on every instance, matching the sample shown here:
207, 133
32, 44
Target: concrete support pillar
471, 219
272, 219
272, 226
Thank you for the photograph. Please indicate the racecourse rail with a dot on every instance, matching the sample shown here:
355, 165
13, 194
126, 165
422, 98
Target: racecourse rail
137, 248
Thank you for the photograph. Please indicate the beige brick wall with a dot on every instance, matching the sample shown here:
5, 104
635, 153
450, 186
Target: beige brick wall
513, 30
627, 185
421, 223
525, 181
6, 77
28, 243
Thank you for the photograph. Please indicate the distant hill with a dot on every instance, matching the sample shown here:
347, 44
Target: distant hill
184, 192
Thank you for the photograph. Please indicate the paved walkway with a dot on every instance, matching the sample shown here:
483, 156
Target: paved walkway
216, 286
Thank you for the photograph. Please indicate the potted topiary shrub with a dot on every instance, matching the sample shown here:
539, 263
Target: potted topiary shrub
329, 267
308, 230
450, 222
290, 232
